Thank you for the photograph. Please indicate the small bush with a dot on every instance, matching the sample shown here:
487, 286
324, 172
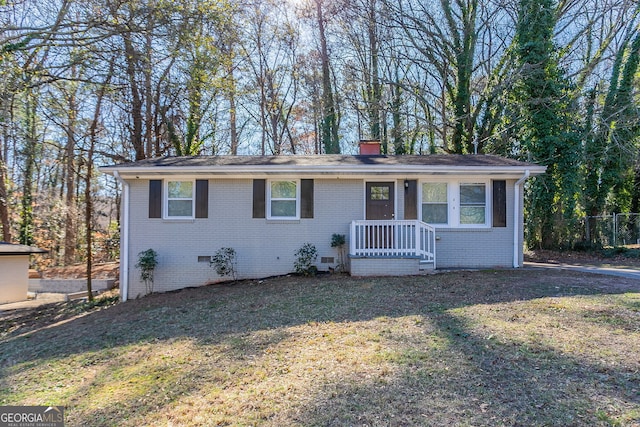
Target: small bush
584, 246
614, 251
305, 258
620, 251
339, 241
147, 262
225, 262
101, 301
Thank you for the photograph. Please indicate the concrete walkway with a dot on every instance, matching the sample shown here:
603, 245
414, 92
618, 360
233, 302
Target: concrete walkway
43, 298
620, 272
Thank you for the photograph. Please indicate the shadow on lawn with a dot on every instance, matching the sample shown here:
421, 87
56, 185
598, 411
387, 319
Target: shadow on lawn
490, 382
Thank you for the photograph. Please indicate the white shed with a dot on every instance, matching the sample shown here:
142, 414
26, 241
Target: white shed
14, 271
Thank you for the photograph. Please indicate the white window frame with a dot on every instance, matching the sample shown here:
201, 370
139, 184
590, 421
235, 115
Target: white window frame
421, 201
166, 199
453, 201
487, 205
297, 199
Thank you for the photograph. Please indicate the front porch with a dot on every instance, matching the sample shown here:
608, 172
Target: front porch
391, 247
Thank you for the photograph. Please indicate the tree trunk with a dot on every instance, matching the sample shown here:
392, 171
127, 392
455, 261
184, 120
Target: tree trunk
4, 203
396, 131
29, 153
329, 126
88, 212
70, 174
376, 100
233, 130
148, 93
136, 100
4, 194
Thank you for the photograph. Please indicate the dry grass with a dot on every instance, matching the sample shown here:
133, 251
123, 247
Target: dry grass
467, 348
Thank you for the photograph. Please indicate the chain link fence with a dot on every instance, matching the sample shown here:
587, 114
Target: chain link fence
617, 229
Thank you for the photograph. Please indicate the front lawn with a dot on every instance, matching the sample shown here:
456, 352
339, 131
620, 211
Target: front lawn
527, 347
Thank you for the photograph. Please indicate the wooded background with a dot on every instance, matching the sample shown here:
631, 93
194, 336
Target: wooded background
87, 82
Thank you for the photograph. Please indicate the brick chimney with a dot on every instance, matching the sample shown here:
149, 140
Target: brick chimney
369, 147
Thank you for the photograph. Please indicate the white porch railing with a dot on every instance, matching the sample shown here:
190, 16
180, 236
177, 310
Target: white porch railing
394, 238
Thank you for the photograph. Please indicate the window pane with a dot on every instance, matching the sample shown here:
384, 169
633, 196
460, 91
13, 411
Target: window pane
434, 192
180, 208
180, 189
284, 208
283, 190
435, 213
472, 215
472, 194
380, 193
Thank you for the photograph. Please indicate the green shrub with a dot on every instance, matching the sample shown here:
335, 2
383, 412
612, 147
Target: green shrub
339, 241
620, 250
147, 262
305, 258
224, 262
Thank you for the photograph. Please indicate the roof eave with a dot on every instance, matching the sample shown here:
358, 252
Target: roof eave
132, 171
21, 253
15, 249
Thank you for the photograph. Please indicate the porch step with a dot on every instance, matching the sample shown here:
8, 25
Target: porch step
426, 265
400, 246
389, 266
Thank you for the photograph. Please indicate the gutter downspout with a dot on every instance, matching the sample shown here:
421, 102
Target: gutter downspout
516, 218
124, 239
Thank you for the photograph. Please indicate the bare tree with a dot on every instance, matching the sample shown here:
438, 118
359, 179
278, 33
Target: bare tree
271, 52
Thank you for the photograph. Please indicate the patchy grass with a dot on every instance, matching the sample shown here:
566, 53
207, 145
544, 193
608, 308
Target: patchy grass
26, 319
466, 348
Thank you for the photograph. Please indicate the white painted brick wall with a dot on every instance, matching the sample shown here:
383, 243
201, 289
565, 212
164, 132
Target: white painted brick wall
266, 248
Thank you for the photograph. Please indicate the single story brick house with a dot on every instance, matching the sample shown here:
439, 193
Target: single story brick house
399, 214
14, 271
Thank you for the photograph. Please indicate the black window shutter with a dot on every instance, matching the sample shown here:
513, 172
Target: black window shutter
411, 199
202, 198
259, 196
306, 198
155, 198
500, 203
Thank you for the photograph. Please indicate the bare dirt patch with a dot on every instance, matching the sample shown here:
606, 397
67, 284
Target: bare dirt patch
591, 258
108, 270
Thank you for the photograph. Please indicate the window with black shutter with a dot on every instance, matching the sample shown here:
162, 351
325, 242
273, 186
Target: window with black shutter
411, 199
259, 198
500, 203
155, 198
306, 198
202, 198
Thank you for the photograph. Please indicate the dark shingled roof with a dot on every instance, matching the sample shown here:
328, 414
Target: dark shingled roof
14, 249
327, 160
